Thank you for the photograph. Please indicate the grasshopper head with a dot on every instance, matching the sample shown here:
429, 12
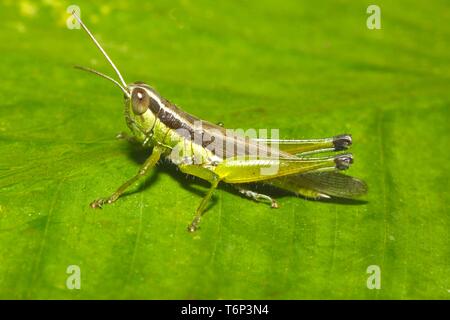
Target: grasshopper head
142, 106
142, 103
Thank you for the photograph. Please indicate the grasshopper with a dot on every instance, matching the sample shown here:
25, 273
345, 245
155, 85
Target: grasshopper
174, 134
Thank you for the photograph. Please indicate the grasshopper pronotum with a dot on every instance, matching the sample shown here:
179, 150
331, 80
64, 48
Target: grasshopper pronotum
157, 123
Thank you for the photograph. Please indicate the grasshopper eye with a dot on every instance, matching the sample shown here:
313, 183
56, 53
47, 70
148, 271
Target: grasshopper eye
140, 100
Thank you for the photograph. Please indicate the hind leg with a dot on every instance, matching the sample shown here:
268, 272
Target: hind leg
257, 196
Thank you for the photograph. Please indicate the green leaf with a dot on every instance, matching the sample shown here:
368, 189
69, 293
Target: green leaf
310, 69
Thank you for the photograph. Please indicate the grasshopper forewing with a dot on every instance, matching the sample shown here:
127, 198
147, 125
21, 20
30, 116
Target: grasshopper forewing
202, 149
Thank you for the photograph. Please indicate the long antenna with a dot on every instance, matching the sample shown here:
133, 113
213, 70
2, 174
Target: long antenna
103, 76
100, 48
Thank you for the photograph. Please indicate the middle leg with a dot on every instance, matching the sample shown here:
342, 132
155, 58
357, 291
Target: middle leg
211, 177
201, 208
